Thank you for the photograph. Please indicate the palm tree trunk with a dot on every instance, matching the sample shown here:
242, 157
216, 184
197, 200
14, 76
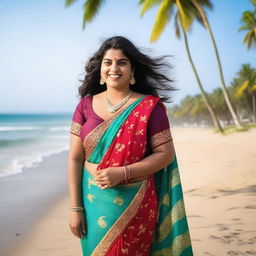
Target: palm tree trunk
224, 89
204, 95
253, 107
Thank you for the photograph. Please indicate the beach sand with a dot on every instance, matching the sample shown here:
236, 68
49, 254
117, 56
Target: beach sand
218, 175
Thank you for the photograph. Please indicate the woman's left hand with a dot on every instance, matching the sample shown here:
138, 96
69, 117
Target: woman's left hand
109, 177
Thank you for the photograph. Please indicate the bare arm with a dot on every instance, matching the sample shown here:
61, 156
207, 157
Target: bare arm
75, 170
161, 157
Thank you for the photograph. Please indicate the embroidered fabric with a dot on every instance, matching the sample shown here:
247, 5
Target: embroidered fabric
160, 138
91, 140
89, 126
120, 224
75, 128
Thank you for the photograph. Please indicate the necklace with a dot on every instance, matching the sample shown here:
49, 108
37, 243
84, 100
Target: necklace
113, 108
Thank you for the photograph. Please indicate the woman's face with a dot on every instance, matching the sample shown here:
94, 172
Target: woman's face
116, 69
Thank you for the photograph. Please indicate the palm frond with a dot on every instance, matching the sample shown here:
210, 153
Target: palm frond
248, 18
250, 39
91, 8
205, 4
252, 89
177, 25
69, 2
163, 16
147, 4
240, 91
185, 17
198, 10
245, 27
195, 12
253, 2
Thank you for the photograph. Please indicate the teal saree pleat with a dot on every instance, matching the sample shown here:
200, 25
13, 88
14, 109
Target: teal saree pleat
103, 208
172, 236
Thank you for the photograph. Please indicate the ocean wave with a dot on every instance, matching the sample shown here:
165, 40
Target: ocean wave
19, 128
10, 142
18, 165
59, 128
33, 128
59, 137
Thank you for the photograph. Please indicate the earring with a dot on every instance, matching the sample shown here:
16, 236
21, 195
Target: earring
102, 81
132, 79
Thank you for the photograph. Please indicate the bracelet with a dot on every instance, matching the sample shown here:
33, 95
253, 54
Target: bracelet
77, 209
127, 174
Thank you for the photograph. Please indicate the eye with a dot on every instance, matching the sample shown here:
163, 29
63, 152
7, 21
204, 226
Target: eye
107, 63
122, 63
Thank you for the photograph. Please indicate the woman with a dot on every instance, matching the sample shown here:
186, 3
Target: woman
126, 196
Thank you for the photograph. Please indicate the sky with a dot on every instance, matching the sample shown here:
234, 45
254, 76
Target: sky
43, 49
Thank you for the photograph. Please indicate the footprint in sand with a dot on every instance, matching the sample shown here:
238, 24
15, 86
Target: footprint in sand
235, 219
251, 252
196, 240
219, 238
222, 227
251, 206
233, 253
208, 253
232, 208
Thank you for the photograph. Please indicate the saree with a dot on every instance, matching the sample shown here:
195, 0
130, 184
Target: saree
144, 217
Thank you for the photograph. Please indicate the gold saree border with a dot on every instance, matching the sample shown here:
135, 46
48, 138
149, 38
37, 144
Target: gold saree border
75, 128
160, 138
180, 243
93, 137
115, 230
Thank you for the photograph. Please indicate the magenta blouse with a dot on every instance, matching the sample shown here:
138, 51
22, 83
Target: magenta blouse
158, 129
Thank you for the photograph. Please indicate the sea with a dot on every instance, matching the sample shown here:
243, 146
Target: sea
26, 139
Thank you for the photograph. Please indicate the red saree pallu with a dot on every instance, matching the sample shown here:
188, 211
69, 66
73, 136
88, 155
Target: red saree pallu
128, 218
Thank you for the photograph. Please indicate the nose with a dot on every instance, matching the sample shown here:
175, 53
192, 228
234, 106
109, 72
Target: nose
114, 67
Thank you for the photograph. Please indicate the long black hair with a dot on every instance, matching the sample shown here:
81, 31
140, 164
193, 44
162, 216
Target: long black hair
149, 72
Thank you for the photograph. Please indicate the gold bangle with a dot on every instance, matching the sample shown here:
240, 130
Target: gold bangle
127, 174
77, 209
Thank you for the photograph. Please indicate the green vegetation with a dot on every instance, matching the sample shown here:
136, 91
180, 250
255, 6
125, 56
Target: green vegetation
249, 25
242, 91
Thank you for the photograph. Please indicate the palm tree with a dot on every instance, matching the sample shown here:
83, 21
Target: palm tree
183, 22
204, 95
189, 10
247, 77
201, 11
249, 24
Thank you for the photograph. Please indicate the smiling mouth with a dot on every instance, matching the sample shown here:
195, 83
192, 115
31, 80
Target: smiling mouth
114, 76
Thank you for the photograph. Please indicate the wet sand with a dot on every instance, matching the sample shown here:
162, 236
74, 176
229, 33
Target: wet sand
218, 175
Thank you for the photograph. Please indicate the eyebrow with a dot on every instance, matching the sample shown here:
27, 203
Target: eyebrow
117, 60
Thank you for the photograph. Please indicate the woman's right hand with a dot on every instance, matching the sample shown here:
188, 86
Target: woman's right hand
77, 224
